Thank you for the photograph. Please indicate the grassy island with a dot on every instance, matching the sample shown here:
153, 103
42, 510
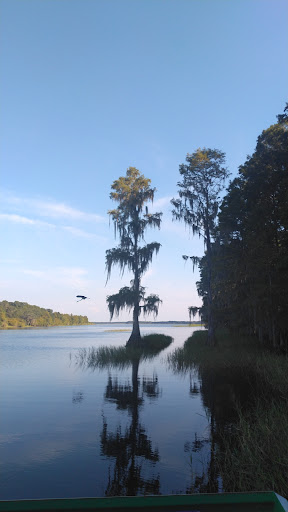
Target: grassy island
121, 357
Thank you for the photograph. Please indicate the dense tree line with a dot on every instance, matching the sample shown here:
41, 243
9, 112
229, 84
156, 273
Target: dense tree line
20, 314
250, 247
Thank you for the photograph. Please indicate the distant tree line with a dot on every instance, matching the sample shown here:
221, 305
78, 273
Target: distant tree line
20, 314
249, 253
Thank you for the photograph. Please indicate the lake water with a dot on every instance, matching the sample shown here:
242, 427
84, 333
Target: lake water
71, 431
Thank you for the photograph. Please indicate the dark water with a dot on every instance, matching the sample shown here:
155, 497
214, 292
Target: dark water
69, 431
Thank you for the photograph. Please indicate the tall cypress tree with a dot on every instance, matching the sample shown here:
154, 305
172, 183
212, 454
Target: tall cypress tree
131, 219
203, 179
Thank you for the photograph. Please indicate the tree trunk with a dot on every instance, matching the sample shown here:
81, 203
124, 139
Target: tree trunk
211, 329
135, 337
211, 341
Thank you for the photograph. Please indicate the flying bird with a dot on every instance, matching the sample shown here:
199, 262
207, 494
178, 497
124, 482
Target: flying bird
81, 297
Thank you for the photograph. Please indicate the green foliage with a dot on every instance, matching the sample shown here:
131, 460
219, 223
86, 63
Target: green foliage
193, 311
283, 118
203, 179
124, 298
125, 258
20, 314
151, 305
127, 297
131, 192
131, 219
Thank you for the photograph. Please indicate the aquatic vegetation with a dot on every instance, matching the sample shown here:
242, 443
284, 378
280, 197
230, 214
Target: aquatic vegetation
230, 350
257, 449
123, 357
250, 422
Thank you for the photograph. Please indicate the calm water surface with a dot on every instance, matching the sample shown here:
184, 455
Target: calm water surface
69, 431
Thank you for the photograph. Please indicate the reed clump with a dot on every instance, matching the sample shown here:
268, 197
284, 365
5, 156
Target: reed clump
123, 357
156, 342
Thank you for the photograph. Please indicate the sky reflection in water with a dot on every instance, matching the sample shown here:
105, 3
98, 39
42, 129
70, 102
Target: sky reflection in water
70, 431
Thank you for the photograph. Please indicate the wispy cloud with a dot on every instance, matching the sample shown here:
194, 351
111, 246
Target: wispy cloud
78, 232
74, 277
34, 273
75, 271
20, 219
50, 208
62, 210
9, 260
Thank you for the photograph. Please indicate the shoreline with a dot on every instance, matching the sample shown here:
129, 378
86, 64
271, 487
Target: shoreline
171, 323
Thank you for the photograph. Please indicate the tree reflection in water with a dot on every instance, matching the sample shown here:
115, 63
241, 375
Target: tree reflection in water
130, 447
222, 391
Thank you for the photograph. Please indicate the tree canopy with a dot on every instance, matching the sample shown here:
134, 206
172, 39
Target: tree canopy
203, 178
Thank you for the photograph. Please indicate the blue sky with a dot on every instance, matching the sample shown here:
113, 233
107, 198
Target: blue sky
91, 87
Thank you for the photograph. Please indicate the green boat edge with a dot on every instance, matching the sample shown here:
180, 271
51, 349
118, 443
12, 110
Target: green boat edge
268, 501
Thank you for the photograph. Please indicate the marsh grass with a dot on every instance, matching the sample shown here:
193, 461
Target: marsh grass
257, 449
123, 357
230, 351
253, 453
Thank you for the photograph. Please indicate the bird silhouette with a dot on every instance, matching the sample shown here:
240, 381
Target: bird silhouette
82, 297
